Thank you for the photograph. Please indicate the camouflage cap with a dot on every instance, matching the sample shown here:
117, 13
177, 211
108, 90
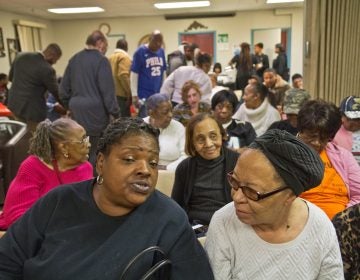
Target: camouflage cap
293, 100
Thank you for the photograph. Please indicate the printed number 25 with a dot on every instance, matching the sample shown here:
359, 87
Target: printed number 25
155, 71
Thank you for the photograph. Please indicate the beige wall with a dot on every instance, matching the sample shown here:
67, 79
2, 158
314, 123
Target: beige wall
6, 23
71, 35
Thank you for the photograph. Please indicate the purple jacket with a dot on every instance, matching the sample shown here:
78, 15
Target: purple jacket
348, 168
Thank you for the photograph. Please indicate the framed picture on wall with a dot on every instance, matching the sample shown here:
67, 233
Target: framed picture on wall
13, 49
2, 47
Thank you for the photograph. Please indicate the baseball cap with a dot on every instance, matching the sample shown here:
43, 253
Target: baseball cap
350, 107
294, 99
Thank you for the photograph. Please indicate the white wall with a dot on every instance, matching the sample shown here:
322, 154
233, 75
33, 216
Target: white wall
6, 23
71, 35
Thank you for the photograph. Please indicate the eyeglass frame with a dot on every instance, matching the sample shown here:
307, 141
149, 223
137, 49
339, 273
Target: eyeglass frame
83, 141
260, 196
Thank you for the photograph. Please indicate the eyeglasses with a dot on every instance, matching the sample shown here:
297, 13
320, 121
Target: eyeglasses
249, 192
313, 138
83, 141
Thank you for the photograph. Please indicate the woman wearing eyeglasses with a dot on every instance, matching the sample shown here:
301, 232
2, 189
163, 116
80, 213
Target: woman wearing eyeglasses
95, 229
318, 123
58, 155
200, 185
267, 232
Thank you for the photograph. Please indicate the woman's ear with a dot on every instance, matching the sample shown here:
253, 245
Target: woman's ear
60, 148
151, 113
100, 158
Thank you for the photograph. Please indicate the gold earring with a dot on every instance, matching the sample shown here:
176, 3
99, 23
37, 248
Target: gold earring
66, 155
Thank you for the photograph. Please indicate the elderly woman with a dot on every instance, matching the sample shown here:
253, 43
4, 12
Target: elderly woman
59, 153
94, 229
267, 232
200, 185
172, 133
191, 95
239, 133
318, 122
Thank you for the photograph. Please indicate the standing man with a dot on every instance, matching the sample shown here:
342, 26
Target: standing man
147, 71
87, 89
280, 62
261, 60
32, 76
120, 62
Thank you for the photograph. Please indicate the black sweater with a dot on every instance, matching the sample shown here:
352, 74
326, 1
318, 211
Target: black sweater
65, 236
185, 177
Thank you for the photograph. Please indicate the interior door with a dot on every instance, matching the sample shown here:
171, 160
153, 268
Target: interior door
205, 41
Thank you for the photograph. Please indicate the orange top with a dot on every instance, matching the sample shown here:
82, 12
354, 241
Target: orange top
332, 194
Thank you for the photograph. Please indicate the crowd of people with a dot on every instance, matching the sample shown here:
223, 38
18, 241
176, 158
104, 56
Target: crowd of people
266, 176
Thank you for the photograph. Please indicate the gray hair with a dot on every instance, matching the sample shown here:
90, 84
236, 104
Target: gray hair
154, 100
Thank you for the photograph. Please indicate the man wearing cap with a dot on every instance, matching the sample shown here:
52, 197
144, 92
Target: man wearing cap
348, 136
293, 100
267, 232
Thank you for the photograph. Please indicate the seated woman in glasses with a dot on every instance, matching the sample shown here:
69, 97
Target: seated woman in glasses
318, 123
58, 155
267, 232
239, 133
200, 185
95, 228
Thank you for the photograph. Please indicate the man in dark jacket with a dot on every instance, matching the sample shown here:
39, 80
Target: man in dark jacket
88, 90
32, 76
280, 62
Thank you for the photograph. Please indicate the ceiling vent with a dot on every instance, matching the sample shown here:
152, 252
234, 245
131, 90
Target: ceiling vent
199, 15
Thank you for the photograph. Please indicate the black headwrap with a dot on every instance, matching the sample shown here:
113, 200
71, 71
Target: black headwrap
298, 165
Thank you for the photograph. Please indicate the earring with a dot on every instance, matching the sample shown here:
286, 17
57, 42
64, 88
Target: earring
99, 180
66, 155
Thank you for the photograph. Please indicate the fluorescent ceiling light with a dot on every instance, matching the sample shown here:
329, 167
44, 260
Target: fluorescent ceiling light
179, 5
282, 1
76, 10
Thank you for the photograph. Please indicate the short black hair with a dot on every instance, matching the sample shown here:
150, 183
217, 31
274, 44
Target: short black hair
260, 89
121, 128
320, 116
260, 45
122, 44
217, 65
296, 76
95, 36
222, 96
203, 58
3, 76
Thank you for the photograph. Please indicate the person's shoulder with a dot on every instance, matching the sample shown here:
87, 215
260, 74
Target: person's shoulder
185, 164
166, 207
33, 163
204, 107
177, 125
85, 166
224, 214
318, 217
230, 152
64, 192
180, 107
332, 147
